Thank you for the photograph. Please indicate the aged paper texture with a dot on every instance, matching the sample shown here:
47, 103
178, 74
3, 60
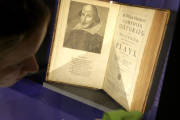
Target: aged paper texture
132, 30
82, 45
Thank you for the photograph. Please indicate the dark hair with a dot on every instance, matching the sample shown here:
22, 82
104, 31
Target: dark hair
97, 19
17, 16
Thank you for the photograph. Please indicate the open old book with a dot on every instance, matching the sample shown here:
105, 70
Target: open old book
102, 45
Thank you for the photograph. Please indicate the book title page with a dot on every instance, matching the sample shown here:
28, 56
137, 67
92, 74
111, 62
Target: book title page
131, 34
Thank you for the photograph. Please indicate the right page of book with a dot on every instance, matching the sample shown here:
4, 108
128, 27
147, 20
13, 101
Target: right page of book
130, 37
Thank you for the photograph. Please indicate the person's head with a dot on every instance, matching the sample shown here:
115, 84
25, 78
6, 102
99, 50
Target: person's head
89, 16
23, 28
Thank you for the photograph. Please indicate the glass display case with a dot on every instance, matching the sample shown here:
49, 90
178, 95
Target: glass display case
30, 100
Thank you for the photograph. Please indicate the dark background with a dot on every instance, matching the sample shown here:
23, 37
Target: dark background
168, 105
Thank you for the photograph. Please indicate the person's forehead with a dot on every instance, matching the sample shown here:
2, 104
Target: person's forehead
88, 8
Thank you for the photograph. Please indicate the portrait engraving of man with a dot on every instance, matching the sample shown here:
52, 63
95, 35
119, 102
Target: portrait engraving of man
85, 35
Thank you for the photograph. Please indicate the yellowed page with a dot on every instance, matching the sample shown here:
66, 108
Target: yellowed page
81, 66
131, 33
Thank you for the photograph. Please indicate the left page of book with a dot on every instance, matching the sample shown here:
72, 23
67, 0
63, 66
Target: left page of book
81, 45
